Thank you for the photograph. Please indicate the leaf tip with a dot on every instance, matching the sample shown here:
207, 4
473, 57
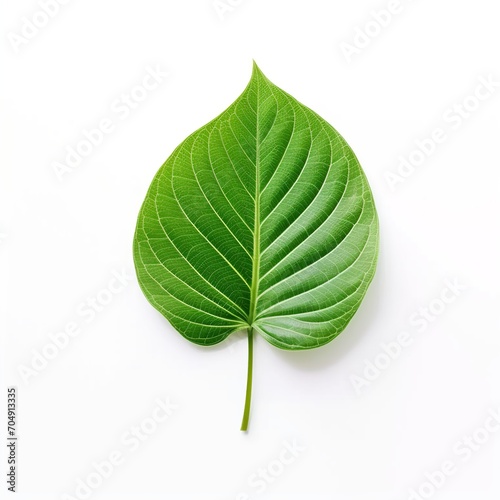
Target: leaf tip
255, 69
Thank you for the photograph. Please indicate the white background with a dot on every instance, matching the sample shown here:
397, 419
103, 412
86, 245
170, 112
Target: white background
61, 241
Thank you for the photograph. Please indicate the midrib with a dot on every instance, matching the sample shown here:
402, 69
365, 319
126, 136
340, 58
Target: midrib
254, 290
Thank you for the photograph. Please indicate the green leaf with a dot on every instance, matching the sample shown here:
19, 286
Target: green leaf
261, 220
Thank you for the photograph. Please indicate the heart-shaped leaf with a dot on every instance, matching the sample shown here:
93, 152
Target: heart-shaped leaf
261, 220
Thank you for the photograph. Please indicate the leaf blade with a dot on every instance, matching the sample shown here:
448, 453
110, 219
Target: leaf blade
262, 218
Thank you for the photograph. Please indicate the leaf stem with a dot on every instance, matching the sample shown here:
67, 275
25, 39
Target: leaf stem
248, 398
